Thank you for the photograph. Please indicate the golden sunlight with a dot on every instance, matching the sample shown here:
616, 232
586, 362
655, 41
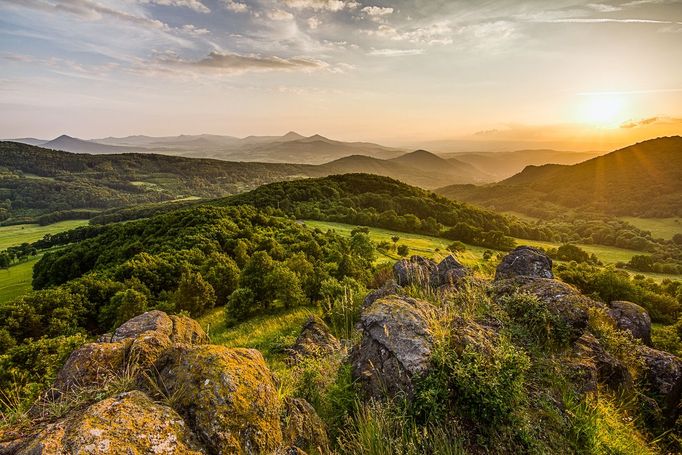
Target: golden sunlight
604, 110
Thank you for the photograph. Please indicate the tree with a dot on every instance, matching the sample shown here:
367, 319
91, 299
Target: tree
362, 246
194, 294
128, 304
5, 260
253, 277
403, 250
222, 273
456, 247
395, 239
283, 285
240, 305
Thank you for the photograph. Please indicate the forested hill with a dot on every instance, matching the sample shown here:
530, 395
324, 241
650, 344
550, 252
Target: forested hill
644, 179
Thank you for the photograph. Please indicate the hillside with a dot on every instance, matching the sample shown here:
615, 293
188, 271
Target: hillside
37, 181
501, 165
643, 180
289, 148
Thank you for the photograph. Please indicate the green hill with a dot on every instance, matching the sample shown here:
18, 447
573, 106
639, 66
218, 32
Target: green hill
643, 180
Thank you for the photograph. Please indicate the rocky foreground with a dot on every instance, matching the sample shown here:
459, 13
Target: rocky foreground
184, 395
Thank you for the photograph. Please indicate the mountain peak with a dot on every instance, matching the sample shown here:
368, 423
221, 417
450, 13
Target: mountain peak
293, 135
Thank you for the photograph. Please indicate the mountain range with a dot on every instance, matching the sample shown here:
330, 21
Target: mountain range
644, 180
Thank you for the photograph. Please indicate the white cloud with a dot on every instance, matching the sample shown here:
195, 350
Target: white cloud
313, 22
395, 52
192, 30
236, 7
280, 15
376, 10
436, 33
603, 8
237, 63
195, 5
322, 5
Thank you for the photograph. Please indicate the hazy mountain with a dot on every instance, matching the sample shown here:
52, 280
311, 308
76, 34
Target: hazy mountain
644, 179
30, 140
75, 145
501, 165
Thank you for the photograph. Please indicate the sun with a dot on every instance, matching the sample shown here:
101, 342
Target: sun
604, 110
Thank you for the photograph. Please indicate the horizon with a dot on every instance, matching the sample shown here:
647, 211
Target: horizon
438, 75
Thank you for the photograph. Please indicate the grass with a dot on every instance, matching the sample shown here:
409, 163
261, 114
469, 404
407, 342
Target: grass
267, 333
28, 233
663, 228
427, 245
16, 280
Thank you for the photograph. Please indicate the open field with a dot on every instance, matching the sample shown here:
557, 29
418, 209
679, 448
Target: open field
663, 228
27, 233
16, 280
473, 256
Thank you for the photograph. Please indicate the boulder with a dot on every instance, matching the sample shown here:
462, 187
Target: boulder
415, 271
561, 299
126, 424
662, 380
227, 396
389, 288
632, 318
92, 365
315, 340
448, 272
606, 368
151, 321
302, 427
395, 347
525, 261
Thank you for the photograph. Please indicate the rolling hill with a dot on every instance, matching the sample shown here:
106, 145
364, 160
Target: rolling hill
644, 180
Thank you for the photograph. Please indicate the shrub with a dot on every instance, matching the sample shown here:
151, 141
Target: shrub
403, 250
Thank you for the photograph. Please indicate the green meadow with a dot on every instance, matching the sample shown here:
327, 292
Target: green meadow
660, 228
28, 233
16, 280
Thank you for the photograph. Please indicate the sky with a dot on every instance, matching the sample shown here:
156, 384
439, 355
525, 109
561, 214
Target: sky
572, 75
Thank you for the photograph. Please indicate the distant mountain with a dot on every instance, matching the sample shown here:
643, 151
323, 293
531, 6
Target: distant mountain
289, 148
501, 165
30, 140
75, 145
644, 179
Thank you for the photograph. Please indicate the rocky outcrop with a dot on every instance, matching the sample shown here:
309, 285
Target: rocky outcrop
302, 427
227, 396
414, 271
419, 271
314, 340
132, 349
125, 424
562, 300
391, 287
525, 261
662, 380
395, 348
599, 366
632, 318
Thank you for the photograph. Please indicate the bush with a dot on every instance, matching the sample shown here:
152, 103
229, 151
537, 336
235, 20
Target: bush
194, 294
403, 250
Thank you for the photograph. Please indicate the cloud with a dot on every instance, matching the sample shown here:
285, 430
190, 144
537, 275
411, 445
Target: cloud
192, 30
604, 8
376, 10
650, 121
236, 7
395, 52
195, 5
604, 21
313, 23
280, 15
322, 5
236, 63
436, 33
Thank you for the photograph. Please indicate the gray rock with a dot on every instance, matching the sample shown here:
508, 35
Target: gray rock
607, 369
662, 379
449, 272
395, 348
315, 340
156, 321
415, 271
525, 261
389, 288
632, 318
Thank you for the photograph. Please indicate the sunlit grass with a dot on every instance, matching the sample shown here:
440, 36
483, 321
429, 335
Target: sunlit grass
16, 280
28, 233
663, 228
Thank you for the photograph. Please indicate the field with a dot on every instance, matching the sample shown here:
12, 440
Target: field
663, 228
27, 233
473, 256
16, 280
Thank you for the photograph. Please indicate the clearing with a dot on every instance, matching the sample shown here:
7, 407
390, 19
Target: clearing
28, 233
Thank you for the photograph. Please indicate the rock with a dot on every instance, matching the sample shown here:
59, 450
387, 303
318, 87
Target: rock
415, 271
607, 369
187, 330
561, 299
396, 346
151, 321
449, 272
127, 424
632, 318
525, 261
315, 340
291, 451
662, 380
389, 288
302, 427
92, 365
227, 396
